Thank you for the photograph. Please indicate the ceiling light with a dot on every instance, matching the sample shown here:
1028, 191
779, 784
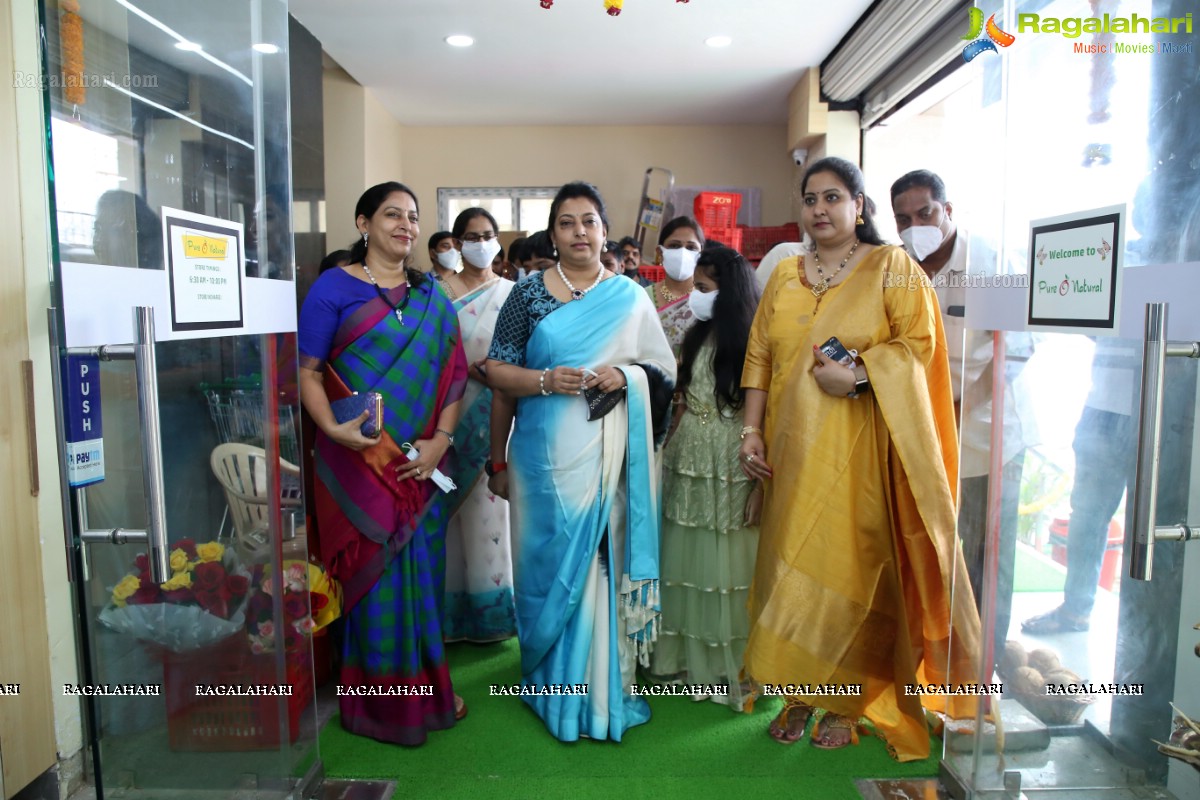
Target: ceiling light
718, 41
191, 47
459, 40
266, 47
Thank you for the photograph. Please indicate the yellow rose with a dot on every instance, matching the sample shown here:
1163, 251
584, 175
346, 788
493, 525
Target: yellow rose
125, 589
179, 561
210, 551
180, 580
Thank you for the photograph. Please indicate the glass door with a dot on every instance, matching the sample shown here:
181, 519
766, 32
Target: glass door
1091, 647
175, 319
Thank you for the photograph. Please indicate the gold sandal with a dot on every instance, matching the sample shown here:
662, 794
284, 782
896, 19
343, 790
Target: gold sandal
834, 722
783, 733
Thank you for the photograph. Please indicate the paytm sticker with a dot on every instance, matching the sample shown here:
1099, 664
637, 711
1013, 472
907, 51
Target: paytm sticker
85, 432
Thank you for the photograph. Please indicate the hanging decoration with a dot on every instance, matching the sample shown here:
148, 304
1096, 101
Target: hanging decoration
70, 37
612, 7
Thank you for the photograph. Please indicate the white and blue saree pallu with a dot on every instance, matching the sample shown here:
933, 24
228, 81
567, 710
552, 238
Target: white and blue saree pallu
585, 511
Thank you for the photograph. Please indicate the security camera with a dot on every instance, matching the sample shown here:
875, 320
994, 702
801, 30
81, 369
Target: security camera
798, 156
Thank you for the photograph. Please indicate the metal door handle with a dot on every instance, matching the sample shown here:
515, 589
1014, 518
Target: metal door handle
1146, 532
146, 374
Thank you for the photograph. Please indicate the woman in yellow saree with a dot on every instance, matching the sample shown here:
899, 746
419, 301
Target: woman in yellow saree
859, 582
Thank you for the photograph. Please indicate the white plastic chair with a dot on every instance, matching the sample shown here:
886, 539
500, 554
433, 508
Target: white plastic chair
241, 469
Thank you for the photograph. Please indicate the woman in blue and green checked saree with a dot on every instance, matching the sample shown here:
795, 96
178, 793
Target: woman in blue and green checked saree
374, 326
583, 491
479, 588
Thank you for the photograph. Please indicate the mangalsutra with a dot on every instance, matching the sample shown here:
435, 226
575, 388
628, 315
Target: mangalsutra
397, 307
577, 294
822, 285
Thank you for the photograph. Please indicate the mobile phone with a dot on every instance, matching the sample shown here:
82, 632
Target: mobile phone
837, 351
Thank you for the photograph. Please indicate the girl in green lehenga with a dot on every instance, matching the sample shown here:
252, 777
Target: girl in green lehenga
710, 508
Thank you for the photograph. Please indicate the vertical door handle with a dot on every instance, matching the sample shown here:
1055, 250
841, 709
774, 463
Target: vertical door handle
146, 369
146, 376
1146, 531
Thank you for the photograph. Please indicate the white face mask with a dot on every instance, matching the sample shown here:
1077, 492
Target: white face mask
448, 259
481, 254
680, 263
921, 240
701, 304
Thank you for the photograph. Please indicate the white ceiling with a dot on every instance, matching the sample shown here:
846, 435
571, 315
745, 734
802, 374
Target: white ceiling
572, 64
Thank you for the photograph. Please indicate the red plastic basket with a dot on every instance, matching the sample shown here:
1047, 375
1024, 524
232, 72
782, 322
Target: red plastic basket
716, 210
652, 272
756, 242
730, 237
231, 723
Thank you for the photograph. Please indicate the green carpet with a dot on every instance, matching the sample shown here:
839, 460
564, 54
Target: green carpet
688, 750
1034, 572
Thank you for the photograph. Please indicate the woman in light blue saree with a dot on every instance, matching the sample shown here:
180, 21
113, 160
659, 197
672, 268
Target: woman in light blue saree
592, 371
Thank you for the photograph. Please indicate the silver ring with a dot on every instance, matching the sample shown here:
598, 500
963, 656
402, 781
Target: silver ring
749, 458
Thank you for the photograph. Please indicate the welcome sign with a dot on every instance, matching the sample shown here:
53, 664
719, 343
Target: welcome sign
1075, 272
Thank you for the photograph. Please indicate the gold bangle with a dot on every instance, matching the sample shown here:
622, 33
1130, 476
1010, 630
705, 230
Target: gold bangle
749, 429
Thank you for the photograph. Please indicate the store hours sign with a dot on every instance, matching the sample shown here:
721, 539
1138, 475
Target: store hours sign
205, 257
1075, 265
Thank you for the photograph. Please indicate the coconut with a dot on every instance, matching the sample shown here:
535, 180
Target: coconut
1014, 657
1028, 680
1044, 660
1062, 677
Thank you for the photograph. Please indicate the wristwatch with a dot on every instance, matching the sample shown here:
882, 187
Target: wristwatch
493, 469
861, 384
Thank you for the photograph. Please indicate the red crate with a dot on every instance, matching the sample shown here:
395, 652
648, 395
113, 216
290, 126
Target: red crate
756, 242
730, 237
231, 723
652, 272
716, 210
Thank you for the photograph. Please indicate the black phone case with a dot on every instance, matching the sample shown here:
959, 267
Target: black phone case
834, 349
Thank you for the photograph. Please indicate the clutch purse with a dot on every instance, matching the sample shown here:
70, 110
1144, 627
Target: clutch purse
351, 407
600, 403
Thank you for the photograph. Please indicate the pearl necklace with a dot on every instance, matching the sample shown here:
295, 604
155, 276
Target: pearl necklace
399, 307
822, 285
577, 294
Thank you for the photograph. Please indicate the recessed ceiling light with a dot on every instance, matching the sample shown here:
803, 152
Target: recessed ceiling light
718, 41
266, 47
191, 47
459, 40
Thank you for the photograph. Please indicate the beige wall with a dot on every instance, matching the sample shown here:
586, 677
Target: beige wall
31, 530
614, 158
362, 148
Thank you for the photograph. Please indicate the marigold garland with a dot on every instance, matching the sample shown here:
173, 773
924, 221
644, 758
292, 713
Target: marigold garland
613, 7
70, 36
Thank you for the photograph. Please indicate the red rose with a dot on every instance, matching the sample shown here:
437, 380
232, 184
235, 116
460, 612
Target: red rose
213, 603
142, 562
188, 546
237, 585
148, 593
178, 596
295, 606
208, 575
317, 601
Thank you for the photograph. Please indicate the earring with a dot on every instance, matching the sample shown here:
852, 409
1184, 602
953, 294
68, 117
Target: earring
554, 250
366, 236
858, 220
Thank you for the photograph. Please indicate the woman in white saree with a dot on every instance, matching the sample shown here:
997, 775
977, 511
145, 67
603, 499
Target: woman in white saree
592, 371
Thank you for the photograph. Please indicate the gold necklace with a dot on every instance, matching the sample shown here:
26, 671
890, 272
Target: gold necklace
822, 285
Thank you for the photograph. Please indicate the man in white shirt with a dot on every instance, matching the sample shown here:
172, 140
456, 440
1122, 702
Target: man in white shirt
924, 218
771, 260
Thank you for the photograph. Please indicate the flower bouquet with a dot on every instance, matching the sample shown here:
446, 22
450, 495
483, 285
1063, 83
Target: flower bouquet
311, 600
203, 602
